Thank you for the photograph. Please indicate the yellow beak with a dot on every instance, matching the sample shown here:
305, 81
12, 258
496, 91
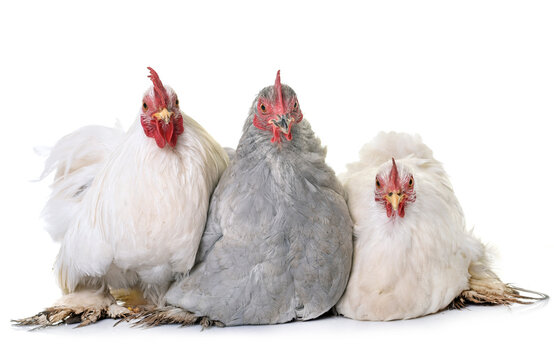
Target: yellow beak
394, 200
163, 115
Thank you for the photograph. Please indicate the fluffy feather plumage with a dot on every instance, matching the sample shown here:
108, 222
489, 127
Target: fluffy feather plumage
415, 265
128, 212
278, 241
76, 159
143, 215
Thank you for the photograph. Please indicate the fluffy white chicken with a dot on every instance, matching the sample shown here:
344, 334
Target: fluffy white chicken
129, 209
412, 252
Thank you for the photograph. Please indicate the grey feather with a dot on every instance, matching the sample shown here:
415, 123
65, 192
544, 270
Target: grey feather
278, 240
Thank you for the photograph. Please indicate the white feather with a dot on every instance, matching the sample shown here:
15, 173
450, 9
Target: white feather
76, 158
412, 266
142, 214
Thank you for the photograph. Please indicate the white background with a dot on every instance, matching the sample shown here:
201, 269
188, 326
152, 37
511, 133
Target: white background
474, 78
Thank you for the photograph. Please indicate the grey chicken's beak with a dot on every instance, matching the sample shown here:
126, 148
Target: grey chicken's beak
284, 123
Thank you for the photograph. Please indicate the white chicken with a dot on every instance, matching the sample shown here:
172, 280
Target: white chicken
412, 252
129, 209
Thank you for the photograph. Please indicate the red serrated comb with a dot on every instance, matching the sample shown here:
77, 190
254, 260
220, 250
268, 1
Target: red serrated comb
394, 173
277, 90
159, 89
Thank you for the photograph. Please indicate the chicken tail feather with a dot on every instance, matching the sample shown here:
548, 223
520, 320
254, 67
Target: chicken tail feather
510, 295
485, 288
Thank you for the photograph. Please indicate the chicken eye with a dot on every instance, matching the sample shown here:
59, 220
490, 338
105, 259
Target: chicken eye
295, 105
377, 183
144, 106
411, 183
263, 108
176, 102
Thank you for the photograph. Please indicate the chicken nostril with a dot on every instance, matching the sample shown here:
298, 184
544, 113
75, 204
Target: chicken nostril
390, 194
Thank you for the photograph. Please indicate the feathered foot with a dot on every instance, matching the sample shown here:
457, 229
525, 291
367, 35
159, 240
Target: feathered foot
84, 307
58, 315
511, 295
171, 315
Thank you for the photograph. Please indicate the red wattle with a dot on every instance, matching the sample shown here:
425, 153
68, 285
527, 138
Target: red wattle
401, 209
274, 129
179, 128
158, 135
289, 135
389, 209
168, 134
162, 133
276, 135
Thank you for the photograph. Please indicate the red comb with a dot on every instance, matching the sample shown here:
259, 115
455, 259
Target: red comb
277, 89
394, 173
159, 89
